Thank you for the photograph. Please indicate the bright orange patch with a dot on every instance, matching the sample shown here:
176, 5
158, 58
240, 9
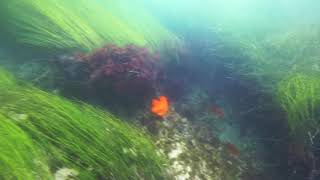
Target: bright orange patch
160, 107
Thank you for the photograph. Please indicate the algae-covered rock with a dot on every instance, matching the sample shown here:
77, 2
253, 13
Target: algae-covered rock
192, 158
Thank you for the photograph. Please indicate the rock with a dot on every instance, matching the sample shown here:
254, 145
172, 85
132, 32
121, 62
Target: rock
66, 174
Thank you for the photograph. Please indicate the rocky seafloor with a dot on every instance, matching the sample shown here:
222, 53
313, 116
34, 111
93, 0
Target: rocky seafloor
195, 153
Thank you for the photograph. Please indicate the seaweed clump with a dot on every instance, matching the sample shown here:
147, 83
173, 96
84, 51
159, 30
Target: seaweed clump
299, 97
71, 135
118, 75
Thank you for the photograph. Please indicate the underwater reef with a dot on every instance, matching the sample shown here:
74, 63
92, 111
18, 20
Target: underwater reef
53, 133
119, 89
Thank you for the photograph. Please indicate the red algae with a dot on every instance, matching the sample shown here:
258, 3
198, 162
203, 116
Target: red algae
218, 111
232, 149
128, 72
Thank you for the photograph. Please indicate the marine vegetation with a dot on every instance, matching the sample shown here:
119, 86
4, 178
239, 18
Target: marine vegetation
129, 74
299, 95
143, 22
282, 62
265, 57
65, 25
72, 135
32, 25
20, 157
6, 79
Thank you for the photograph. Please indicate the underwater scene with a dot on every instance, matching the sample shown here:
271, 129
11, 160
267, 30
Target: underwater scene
159, 90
